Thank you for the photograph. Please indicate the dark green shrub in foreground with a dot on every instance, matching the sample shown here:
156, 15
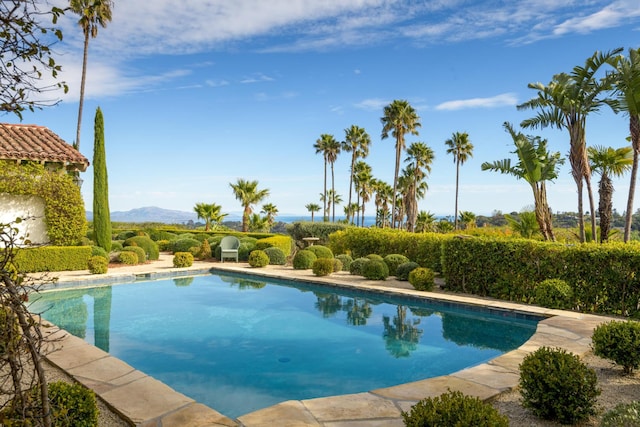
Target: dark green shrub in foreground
403, 270
346, 261
422, 279
556, 385
138, 251
72, 405
393, 261
623, 415
303, 260
98, 264
182, 259
357, 266
618, 341
322, 266
454, 409
258, 258
375, 269
320, 251
554, 293
247, 245
127, 258
183, 245
150, 247
98, 251
204, 252
276, 256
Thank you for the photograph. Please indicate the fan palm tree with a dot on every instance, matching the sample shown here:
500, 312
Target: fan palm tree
313, 208
608, 162
356, 142
362, 173
364, 188
258, 224
420, 156
331, 200
536, 165
210, 213
247, 193
270, 210
399, 119
565, 103
330, 148
425, 222
468, 218
461, 149
524, 224
384, 193
93, 14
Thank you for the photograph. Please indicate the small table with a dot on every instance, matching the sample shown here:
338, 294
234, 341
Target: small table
310, 240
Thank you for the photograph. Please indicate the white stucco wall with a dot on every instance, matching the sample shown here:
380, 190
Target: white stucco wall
31, 210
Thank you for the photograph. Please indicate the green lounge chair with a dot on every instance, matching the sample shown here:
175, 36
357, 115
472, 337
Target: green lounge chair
229, 248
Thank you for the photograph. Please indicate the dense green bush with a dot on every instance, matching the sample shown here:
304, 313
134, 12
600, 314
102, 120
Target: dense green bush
279, 241
403, 270
454, 409
182, 259
128, 258
303, 260
375, 269
276, 256
557, 385
150, 247
258, 258
422, 279
320, 229
618, 341
393, 261
125, 234
204, 252
72, 405
183, 244
320, 251
98, 251
322, 266
52, 258
337, 265
357, 266
116, 245
346, 261
140, 253
246, 246
623, 415
157, 235
554, 293
186, 236
375, 256
98, 264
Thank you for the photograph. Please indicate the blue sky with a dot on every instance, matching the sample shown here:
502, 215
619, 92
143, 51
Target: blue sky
198, 94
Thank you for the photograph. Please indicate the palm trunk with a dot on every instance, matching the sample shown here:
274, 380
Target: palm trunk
634, 127
353, 161
592, 206
455, 227
325, 214
605, 207
577, 157
395, 176
82, 83
539, 209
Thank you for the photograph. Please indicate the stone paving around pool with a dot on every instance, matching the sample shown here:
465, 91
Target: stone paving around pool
146, 402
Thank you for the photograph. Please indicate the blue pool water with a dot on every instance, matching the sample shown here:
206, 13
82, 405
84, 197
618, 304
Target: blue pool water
237, 343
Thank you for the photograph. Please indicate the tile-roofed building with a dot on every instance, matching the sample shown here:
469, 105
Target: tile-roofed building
37, 143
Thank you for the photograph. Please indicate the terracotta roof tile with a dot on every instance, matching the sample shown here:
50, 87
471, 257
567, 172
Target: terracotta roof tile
32, 142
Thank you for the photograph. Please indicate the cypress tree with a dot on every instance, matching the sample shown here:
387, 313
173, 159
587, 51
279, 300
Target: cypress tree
101, 214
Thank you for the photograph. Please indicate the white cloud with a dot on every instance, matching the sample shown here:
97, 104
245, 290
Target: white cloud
372, 104
503, 100
612, 15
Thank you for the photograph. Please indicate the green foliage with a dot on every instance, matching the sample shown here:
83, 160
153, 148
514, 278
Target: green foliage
151, 250
337, 265
204, 252
72, 405
303, 260
258, 258
182, 259
279, 241
125, 234
557, 385
454, 409
157, 235
375, 257
422, 279
618, 341
321, 251
116, 245
403, 270
554, 293
9, 331
322, 266
245, 248
98, 264
52, 258
140, 253
393, 261
375, 269
346, 261
101, 212
321, 230
128, 258
357, 266
98, 251
623, 415
276, 256
183, 244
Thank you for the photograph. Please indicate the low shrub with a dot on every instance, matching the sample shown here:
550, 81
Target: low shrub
618, 341
182, 259
346, 261
98, 251
124, 235
337, 264
183, 244
246, 246
303, 260
116, 245
375, 269
454, 409
554, 293
357, 266
163, 245
52, 258
623, 415
279, 241
393, 261
142, 255
322, 266
422, 279
157, 235
258, 258
375, 256
403, 270
98, 264
320, 251
556, 385
72, 405
204, 252
128, 258
150, 247
276, 256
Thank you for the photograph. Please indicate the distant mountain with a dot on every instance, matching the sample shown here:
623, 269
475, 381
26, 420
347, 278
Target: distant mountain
151, 214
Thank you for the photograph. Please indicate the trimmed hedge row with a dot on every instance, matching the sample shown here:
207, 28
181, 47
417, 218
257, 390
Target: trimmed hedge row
279, 241
52, 258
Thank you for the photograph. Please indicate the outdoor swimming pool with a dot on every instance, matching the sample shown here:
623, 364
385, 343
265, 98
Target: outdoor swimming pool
239, 343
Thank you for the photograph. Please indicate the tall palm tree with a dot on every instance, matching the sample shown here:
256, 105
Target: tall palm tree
399, 119
270, 210
210, 213
329, 147
461, 149
627, 89
565, 103
420, 156
313, 208
332, 199
362, 172
608, 162
356, 142
247, 193
93, 14
536, 165
364, 188
350, 211
384, 193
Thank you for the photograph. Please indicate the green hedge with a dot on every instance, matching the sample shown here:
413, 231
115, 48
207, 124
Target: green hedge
53, 258
279, 241
321, 230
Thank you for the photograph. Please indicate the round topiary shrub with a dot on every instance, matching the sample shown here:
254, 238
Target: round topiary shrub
623, 415
346, 261
138, 251
554, 293
127, 258
72, 405
116, 245
357, 266
98, 251
245, 248
375, 269
618, 341
157, 235
422, 279
276, 256
375, 256
303, 260
556, 385
320, 251
182, 259
454, 409
258, 258
322, 266
393, 261
403, 270
97, 264
183, 245
124, 235
337, 265
150, 247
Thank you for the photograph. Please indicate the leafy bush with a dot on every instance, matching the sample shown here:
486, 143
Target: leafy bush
557, 385
393, 261
322, 266
321, 230
357, 266
321, 251
554, 293
52, 258
258, 258
116, 245
375, 269
623, 415
204, 252
150, 247
346, 261
183, 244
422, 279
276, 256
337, 264
303, 260
124, 235
157, 235
128, 258
98, 251
454, 409
72, 405
182, 259
618, 341
141, 254
98, 264
375, 256
403, 270
246, 246
279, 241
